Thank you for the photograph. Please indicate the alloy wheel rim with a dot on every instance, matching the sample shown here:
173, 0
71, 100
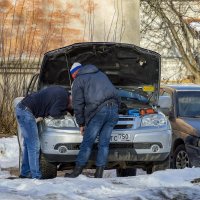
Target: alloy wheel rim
182, 160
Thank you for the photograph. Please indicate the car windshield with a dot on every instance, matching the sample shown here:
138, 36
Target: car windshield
189, 104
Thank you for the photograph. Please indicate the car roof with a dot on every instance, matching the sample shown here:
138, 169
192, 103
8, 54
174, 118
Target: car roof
183, 87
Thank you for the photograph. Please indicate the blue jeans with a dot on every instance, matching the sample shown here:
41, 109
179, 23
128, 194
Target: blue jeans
100, 125
31, 144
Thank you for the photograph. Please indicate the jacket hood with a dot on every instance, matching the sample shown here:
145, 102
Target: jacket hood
87, 69
126, 65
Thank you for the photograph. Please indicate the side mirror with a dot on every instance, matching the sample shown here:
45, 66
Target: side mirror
165, 104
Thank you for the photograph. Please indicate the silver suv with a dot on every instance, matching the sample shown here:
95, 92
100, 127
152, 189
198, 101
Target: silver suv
142, 136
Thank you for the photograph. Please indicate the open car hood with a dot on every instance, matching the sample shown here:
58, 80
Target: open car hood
127, 65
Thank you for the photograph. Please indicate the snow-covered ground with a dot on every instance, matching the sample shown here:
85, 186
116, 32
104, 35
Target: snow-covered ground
9, 152
169, 184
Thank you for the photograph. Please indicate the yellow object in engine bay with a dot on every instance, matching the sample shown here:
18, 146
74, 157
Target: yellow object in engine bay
148, 88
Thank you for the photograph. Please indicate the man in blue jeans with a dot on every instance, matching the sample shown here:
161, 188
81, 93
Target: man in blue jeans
53, 101
95, 102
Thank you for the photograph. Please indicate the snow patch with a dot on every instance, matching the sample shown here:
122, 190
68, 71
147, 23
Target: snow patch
9, 152
168, 184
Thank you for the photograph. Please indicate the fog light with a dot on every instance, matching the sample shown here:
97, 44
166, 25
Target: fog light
62, 149
155, 148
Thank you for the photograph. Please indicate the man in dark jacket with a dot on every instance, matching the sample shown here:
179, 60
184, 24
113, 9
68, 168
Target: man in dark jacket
53, 101
95, 102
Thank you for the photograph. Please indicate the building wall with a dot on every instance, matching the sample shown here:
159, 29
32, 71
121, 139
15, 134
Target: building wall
32, 27
29, 28
172, 70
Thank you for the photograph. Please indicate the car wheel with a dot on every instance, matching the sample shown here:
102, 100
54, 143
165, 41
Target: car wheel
126, 172
48, 170
159, 166
181, 158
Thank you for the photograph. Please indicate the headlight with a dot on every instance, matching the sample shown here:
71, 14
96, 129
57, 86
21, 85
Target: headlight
67, 121
153, 120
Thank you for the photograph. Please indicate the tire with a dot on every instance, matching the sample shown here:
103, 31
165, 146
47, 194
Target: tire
48, 170
126, 172
181, 158
159, 166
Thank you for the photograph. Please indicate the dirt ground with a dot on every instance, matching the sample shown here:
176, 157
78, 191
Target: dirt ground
15, 172
4, 135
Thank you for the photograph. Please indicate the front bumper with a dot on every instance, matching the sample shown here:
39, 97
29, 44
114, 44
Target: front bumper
119, 156
138, 148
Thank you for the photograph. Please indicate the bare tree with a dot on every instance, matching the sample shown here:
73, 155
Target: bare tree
166, 28
28, 29
113, 32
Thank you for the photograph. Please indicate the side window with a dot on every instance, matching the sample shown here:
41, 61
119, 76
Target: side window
32, 87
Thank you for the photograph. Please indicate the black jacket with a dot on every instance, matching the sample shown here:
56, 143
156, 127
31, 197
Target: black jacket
90, 90
51, 101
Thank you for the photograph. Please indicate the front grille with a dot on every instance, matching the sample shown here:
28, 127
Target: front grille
123, 126
120, 145
126, 119
69, 146
116, 146
76, 146
146, 145
125, 123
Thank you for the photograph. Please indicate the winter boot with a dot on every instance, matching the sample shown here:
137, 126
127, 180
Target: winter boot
76, 172
99, 172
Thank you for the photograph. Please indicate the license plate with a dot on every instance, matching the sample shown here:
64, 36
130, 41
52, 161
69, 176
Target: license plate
120, 137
